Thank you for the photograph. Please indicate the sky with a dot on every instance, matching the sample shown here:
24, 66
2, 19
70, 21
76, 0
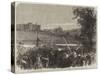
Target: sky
48, 16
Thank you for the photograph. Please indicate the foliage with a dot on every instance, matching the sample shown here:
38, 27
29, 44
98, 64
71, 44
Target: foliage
86, 17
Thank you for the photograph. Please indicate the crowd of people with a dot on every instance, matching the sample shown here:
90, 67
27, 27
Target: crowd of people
53, 58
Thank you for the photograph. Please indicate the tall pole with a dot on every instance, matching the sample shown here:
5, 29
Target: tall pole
66, 44
37, 40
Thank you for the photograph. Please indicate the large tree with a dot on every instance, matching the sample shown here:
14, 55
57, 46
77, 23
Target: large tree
86, 17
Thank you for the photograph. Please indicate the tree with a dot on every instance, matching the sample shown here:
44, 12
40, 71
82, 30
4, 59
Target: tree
58, 30
86, 17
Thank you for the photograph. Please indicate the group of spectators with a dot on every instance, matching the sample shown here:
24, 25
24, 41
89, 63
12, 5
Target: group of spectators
52, 58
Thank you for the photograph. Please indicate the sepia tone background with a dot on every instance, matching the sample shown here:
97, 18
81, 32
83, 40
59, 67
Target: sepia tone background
5, 35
